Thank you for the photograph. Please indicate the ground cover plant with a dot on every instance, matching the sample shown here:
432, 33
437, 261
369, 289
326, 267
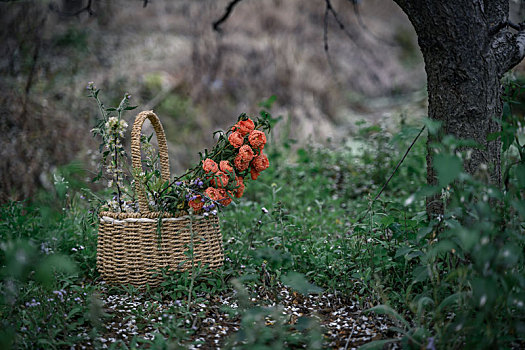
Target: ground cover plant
312, 258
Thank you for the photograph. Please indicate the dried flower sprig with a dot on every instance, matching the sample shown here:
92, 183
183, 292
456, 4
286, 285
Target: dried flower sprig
111, 128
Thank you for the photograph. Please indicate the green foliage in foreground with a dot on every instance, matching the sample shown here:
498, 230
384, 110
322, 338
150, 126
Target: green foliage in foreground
455, 282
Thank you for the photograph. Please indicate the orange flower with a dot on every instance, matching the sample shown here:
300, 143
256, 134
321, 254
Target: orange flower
254, 173
240, 164
197, 203
244, 127
225, 166
260, 163
239, 191
236, 139
257, 139
212, 193
220, 179
225, 199
246, 153
209, 165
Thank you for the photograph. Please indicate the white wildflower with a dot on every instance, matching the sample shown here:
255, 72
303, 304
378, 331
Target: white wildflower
410, 200
482, 300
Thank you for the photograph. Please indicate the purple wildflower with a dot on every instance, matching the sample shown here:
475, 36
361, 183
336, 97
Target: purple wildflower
60, 294
431, 345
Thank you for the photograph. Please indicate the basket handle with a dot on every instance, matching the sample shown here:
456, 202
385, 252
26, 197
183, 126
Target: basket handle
136, 158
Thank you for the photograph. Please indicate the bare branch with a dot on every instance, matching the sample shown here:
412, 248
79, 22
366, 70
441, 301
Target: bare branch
365, 28
352, 36
325, 39
514, 25
325, 28
227, 13
509, 48
87, 9
339, 22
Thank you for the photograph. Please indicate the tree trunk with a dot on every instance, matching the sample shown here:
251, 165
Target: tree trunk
467, 48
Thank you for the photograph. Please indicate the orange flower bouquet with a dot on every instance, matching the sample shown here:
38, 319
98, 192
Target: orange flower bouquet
220, 174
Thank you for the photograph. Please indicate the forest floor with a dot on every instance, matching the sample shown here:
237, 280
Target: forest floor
342, 319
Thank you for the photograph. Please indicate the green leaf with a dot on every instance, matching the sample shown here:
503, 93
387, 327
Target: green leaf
441, 247
52, 263
468, 238
268, 102
387, 310
304, 156
433, 126
422, 302
387, 220
493, 136
520, 175
377, 344
448, 168
298, 282
423, 233
519, 205
506, 109
421, 274
402, 251
450, 300
507, 137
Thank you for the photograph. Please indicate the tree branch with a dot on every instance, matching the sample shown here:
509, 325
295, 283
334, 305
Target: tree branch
365, 28
55, 8
227, 13
509, 48
325, 28
88, 9
329, 8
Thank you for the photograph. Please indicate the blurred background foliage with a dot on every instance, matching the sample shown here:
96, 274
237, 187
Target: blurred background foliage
170, 59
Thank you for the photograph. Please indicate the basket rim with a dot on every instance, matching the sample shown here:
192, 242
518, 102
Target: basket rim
149, 215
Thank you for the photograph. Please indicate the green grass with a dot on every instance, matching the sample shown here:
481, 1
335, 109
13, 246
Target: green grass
297, 225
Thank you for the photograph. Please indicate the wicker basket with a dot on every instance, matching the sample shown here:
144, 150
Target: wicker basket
129, 250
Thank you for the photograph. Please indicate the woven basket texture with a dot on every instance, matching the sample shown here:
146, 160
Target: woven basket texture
129, 248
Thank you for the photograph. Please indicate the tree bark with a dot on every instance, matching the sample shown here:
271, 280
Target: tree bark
466, 47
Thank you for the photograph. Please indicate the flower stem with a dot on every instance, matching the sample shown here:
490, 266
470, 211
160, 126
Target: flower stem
119, 193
